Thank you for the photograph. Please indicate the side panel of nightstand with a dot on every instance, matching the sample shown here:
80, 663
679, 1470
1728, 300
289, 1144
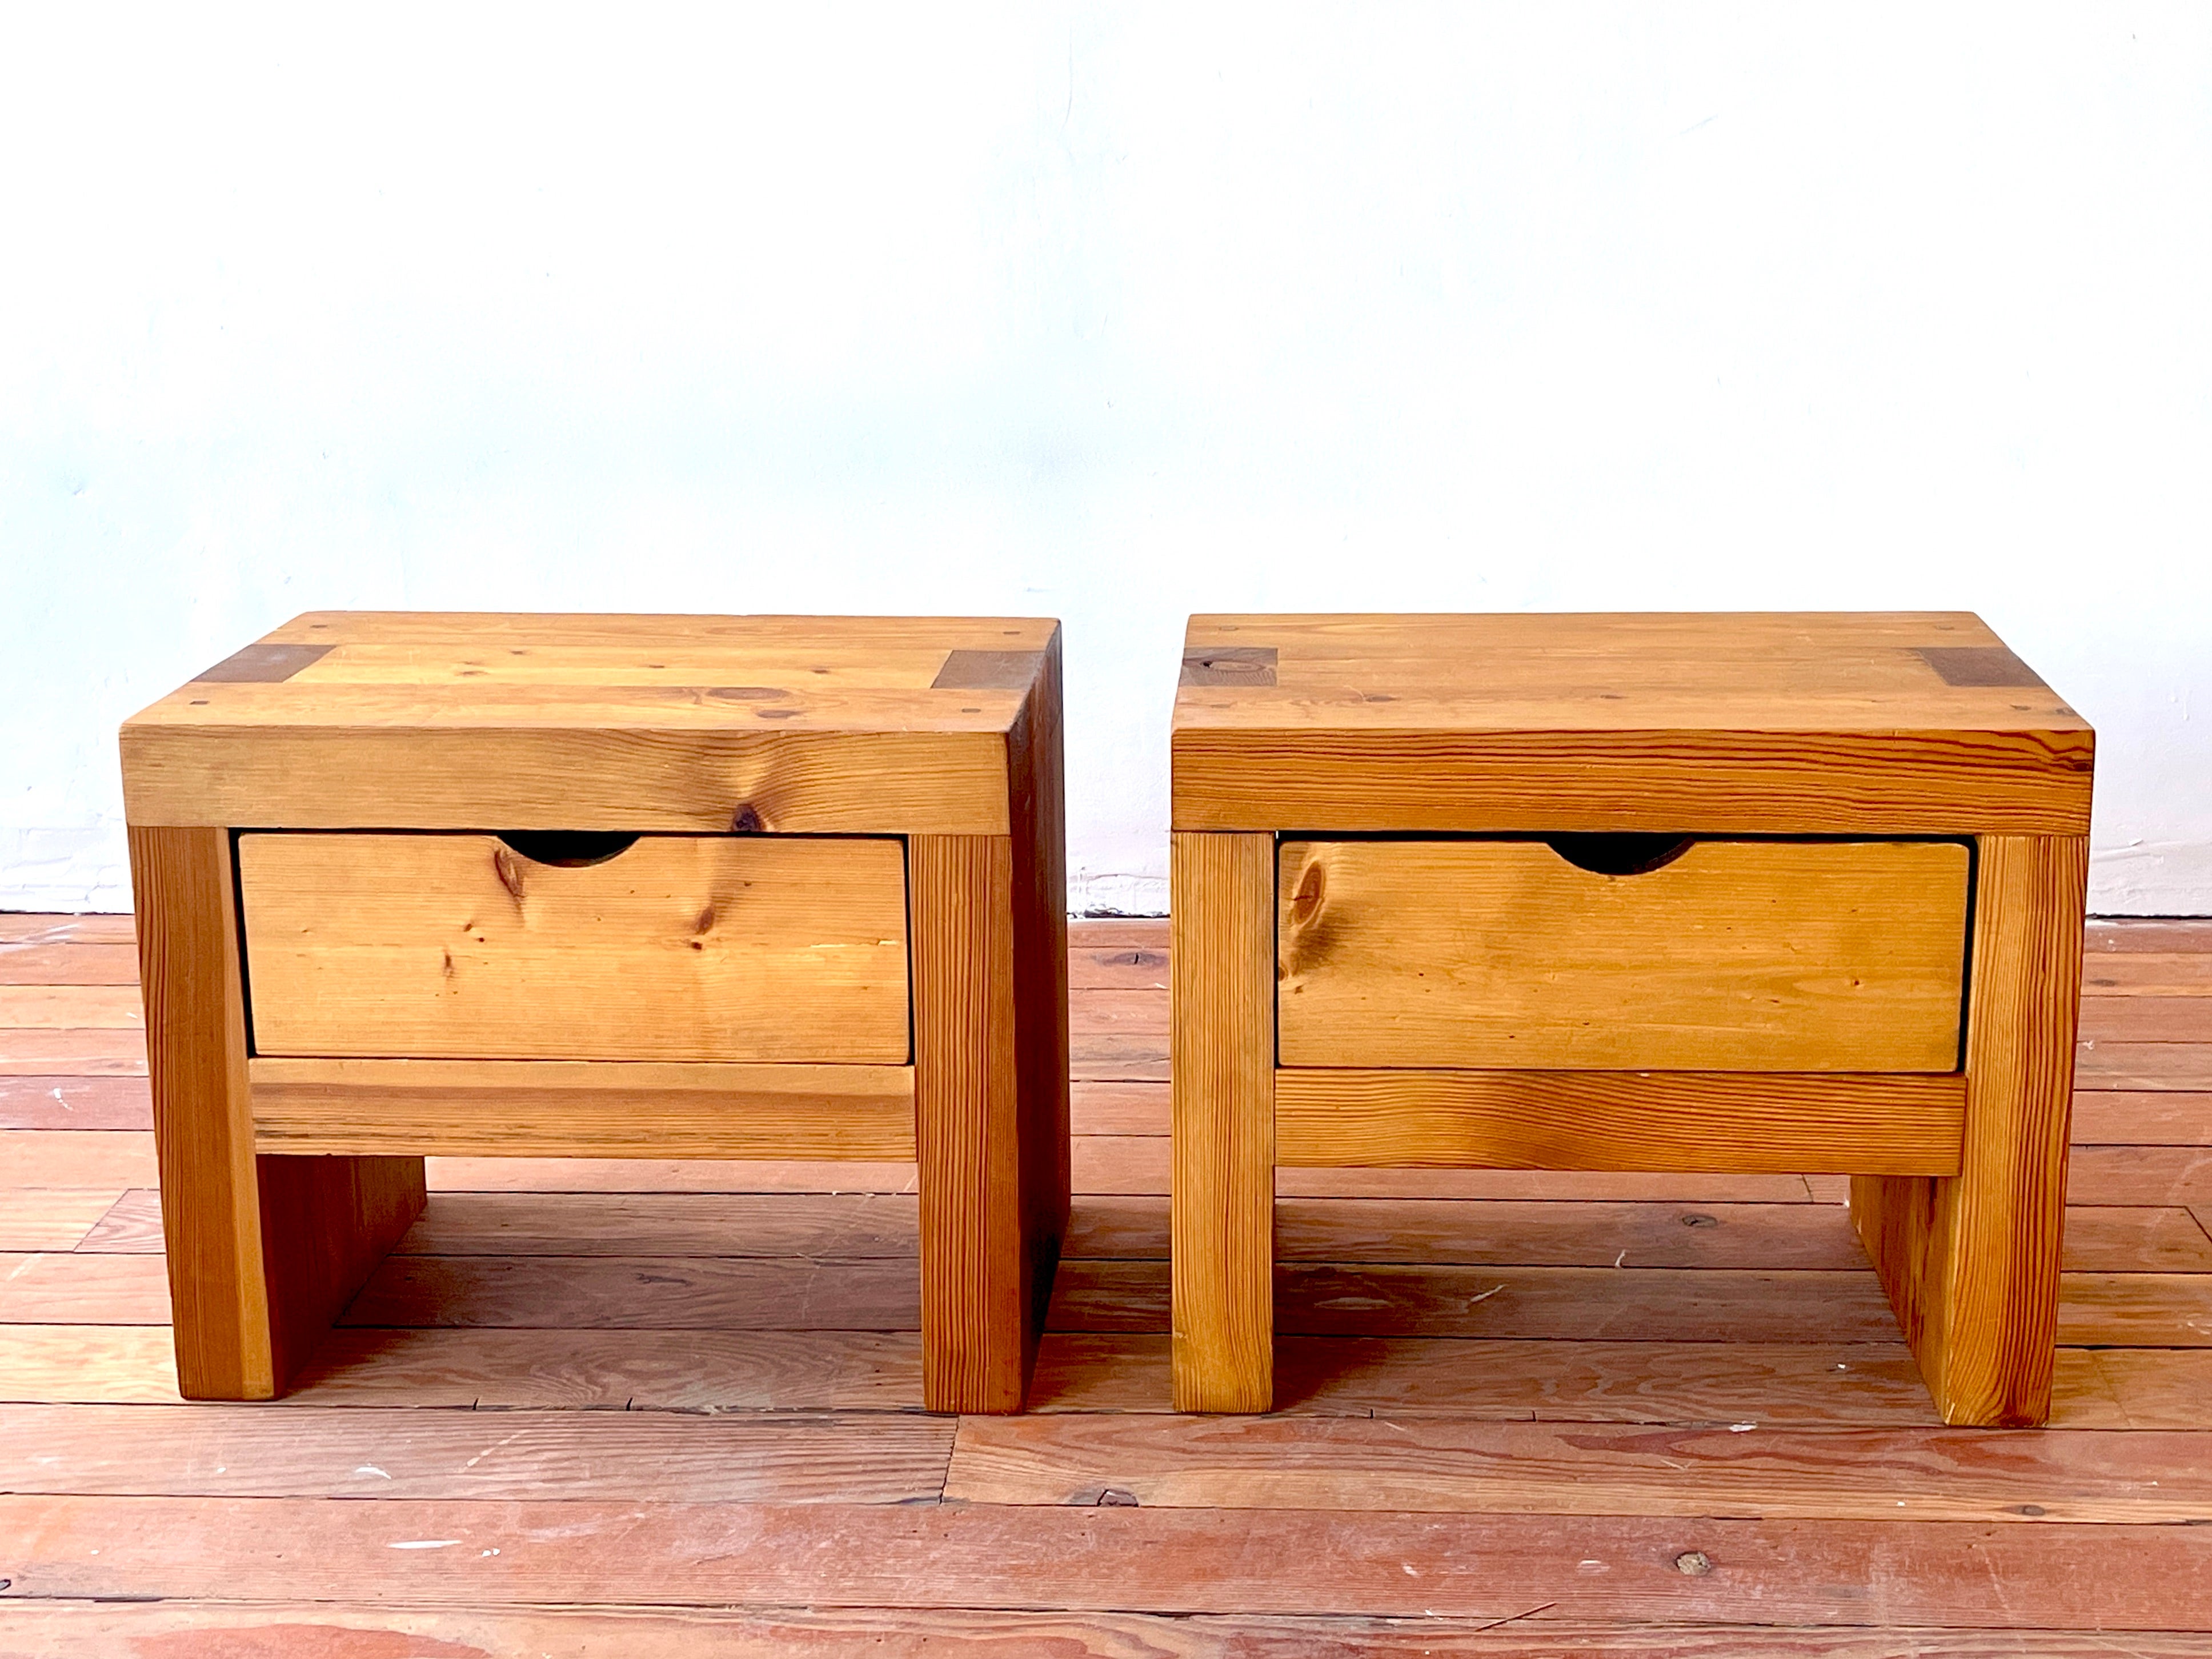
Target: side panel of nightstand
263, 1252
988, 924
1971, 1262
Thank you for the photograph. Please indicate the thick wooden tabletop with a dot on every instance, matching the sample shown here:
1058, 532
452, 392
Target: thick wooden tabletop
462, 721
1751, 722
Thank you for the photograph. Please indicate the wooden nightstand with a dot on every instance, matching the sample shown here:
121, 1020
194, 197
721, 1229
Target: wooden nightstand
1796, 893
606, 886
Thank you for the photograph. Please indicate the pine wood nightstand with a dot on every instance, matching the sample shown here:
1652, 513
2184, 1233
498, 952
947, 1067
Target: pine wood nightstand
607, 886
1796, 893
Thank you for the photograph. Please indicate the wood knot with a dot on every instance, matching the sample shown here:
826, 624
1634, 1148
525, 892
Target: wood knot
509, 871
745, 821
1693, 1564
1228, 665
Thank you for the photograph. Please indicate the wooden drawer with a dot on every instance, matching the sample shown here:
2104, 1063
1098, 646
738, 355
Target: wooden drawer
777, 948
1734, 956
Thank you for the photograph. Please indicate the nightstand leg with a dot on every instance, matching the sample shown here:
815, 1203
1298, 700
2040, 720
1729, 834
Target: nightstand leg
1971, 1261
1223, 1054
263, 1252
990, 1036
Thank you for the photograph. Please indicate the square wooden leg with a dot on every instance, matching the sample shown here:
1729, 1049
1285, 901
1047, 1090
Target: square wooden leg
990, 1033
1222, 1049
263, 1252
1971, 1261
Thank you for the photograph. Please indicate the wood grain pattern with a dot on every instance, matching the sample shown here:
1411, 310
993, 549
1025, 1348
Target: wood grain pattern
62, 1287
23, 927
1350, 1465
567, 766
1664, 1121
1224, 1114
582, 1108
792, 725
262, 1252
841, 1226
1736, 955
246, 1451
686, 1370
43, 964
2144, 1065
68, 1158
98, 1053
1972, 1262
1659, 1304
1309, 777
76, 1102
974, 1309
1535, 1570
990, 1219
50, 1217
683, 948
646, 1292
97, 1630
1566, 1380
1770, 724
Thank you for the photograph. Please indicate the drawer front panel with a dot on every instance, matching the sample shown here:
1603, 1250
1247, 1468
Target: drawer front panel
682, 947
1736, 955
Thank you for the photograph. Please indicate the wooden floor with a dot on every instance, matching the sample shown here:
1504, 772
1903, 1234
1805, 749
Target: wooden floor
646, 1409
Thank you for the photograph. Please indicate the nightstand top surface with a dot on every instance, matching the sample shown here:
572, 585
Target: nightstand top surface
1447, 714
396, 668
356, 705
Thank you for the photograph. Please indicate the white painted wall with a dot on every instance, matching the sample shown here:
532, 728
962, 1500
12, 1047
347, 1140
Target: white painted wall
1110, 314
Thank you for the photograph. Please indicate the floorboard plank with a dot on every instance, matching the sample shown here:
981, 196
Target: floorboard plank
1599, 1234
2141, 1117
822, 1225
2186, 1019
1119, 1108
677, 1371
1141, 1011
1583, 1303
52, 1006
1539, 1569
1743, 1469
69, 1288
2143, 1066
1116, 967
322, 1630
250, 1451
114, 1158
76, 1102
24, 962
51, 1218
35, 1051
657, 1293
1564, 1381
44, 927
2159, 1176
2141, 1311
2148, 974
2190, 935
126, 1364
